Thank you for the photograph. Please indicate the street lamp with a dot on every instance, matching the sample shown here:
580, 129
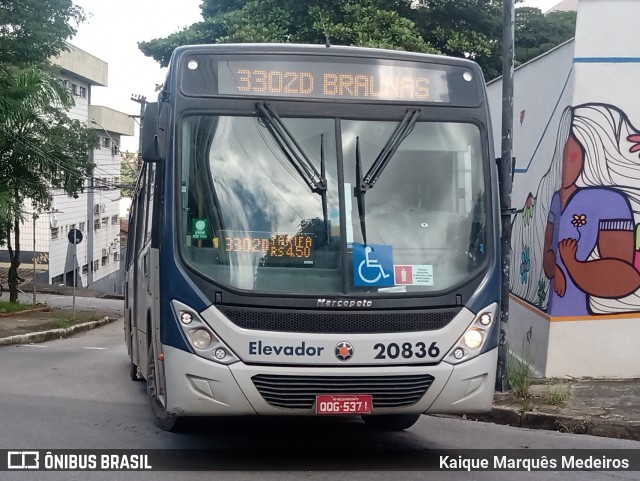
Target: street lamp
113, 142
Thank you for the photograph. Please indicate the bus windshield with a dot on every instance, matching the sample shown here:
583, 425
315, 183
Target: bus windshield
251, 220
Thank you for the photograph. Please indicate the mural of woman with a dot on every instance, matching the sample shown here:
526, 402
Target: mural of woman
586, 254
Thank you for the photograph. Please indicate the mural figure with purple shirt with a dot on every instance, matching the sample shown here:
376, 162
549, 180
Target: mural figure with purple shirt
579, 231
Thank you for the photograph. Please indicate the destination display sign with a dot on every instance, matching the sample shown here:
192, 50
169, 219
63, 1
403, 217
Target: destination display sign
331, 80
272, 248
314, 77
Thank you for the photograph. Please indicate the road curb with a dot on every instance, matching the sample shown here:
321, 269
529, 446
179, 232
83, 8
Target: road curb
591, 425
42, 336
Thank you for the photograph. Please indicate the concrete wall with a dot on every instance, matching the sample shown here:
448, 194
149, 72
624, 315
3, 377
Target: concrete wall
83, 64
111, 120
578, 200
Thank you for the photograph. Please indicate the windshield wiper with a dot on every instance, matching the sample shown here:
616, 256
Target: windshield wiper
317, 181
292, 150
402, 131
359, 193
323, 175
367, 181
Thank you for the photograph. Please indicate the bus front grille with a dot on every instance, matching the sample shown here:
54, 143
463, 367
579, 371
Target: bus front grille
338, 322
299, 392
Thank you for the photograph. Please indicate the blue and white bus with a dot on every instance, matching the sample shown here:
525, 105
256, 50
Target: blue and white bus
315, 232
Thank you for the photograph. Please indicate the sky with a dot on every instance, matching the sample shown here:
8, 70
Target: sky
113, 30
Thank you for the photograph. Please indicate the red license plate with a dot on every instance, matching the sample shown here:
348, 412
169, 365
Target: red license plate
344, 404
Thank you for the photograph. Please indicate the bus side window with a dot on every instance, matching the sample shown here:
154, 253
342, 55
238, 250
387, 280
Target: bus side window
130, 236
150, 181
141, 210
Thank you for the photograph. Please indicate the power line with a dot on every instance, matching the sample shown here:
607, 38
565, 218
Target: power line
62, 164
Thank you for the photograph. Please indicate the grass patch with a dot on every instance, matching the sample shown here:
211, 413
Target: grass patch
67, 315
62, 323
6, 306
519, 374
558, 394
527, 405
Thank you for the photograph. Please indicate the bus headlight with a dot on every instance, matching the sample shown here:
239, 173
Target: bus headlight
201, 336
474, 338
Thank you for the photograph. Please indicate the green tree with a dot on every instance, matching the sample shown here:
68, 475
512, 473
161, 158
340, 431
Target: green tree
460, 28
346, 22
31, 31
473, 29
40, 148
537, 33
128, 173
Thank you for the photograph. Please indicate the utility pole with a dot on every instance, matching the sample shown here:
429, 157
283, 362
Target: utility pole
90, 222
142, 100
35, 217
505, 178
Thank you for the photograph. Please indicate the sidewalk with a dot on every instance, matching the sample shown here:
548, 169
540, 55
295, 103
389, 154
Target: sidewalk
598, 407
43, 323
608, 408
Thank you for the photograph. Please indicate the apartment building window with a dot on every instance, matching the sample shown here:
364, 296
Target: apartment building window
82, 226
83, 92
85, 269
114, 219
116, 256
106, 142
96, 265
96, 224
114, 148
54, 232
105, 221
104, 260
74, 90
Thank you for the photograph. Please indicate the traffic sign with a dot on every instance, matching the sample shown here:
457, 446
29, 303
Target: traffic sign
75, 236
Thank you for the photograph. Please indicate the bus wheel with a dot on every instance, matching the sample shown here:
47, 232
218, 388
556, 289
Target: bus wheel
163, 419
133, 372
390, 422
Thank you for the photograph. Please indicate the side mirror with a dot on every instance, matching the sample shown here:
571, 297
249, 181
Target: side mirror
154, 132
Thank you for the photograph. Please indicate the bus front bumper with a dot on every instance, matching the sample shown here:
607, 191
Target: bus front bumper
198, 387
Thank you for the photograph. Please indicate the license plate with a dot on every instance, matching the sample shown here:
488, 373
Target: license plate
344, 404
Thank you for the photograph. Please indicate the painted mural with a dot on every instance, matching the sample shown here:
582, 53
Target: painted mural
576, 242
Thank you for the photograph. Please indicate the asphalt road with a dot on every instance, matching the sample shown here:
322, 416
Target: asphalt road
76, 394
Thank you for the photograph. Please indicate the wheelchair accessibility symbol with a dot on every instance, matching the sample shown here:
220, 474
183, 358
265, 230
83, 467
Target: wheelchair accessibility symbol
373, 265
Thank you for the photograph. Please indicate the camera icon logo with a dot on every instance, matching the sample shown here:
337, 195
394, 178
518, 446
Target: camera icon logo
23, 460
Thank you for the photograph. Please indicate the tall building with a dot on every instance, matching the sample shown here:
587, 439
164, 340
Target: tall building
95, 212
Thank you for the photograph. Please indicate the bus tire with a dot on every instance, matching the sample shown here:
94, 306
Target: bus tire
162, 419
133, 372
390, 422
